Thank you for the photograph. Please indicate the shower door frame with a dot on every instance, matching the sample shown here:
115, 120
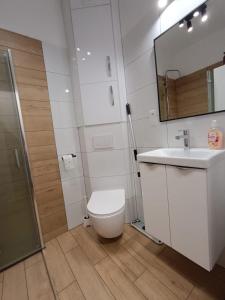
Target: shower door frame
26, 159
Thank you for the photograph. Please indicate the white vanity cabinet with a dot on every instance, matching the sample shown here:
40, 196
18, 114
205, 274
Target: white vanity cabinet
185, 209
155, 204
188, 210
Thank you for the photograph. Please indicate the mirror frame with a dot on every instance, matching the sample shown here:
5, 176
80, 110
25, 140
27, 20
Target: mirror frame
156, 70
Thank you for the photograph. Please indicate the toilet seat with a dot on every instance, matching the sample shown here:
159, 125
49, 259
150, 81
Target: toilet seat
106, 203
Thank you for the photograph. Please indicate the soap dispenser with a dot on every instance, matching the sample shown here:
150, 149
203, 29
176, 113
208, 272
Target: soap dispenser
215, 136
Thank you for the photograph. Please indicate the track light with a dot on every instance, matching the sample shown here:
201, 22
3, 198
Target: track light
189, 26
181, 24
204, 13
196, 13
162, 3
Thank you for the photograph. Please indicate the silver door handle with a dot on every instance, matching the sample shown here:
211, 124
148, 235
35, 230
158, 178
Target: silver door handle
112, 95
108, 63
17, 158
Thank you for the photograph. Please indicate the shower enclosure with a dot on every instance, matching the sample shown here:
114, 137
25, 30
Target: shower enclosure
19, 231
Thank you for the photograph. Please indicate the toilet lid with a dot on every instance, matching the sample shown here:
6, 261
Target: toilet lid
106, 202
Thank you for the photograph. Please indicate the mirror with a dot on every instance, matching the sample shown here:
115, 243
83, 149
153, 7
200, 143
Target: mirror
190, 64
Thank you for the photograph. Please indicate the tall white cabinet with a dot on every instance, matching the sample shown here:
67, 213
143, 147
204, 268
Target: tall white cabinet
97, 67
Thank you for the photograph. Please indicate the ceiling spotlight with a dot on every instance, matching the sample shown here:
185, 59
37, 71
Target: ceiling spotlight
189, 26
196, 13
204, 13
162, 3
78, 49
181, 24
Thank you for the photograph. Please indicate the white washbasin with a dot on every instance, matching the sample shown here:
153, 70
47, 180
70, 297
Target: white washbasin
195, 157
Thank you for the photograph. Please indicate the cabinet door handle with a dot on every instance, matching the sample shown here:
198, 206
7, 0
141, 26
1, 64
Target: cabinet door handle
17, 158
183, 168
112, 95
108, 64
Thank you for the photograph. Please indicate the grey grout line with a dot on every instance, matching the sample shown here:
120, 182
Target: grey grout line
25, 273
189, 295
1, 295
49, 277
69, 263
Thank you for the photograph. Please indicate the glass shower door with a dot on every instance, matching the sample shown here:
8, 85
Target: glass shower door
19, 234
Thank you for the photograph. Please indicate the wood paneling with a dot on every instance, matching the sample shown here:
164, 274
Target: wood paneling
31, 92
41, 138
32, 85
28, 60
32, 77
20, 42
35, 108
192, 94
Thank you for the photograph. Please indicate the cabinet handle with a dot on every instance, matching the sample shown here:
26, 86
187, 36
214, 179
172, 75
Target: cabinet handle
17, 158
112, 95
183, 168
108, 63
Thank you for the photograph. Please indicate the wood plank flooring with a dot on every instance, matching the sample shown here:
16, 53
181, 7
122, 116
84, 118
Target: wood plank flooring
28, 280
84, 266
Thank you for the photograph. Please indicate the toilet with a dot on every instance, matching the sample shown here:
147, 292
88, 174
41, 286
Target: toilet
107, 212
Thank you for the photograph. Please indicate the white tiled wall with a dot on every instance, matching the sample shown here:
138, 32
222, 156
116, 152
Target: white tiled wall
66, 132
138, 36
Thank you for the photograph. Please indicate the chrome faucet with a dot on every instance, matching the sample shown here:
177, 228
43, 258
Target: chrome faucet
186, 136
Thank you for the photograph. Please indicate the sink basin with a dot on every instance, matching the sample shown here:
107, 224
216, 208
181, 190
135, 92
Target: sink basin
195, 158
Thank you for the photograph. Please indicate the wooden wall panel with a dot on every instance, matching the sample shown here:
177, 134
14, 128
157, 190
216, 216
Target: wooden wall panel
35, 105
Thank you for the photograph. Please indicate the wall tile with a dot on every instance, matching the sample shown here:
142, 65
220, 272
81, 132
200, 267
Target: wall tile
67, 141
73, 190
150, 136
198, 127
106, 163
56, 59
74, 173
63, 114
143, 100
74, 214
140, 39
108, 183
118, 131
141, 72
59, 87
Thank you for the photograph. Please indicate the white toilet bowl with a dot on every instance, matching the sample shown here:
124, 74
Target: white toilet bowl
107, 212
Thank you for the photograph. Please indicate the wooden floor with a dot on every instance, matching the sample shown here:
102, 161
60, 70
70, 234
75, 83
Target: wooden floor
83, 266
26, 280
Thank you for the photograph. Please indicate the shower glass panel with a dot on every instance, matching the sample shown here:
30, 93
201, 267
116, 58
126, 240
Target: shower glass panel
19, 234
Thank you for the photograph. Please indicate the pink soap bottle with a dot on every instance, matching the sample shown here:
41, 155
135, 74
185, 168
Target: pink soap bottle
215, 137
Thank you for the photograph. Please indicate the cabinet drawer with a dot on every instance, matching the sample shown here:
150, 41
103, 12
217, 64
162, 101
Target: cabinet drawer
187, 195
100, 103
155, 203
95, 41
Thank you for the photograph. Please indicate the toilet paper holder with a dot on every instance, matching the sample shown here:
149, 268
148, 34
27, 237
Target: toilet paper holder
73, 156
